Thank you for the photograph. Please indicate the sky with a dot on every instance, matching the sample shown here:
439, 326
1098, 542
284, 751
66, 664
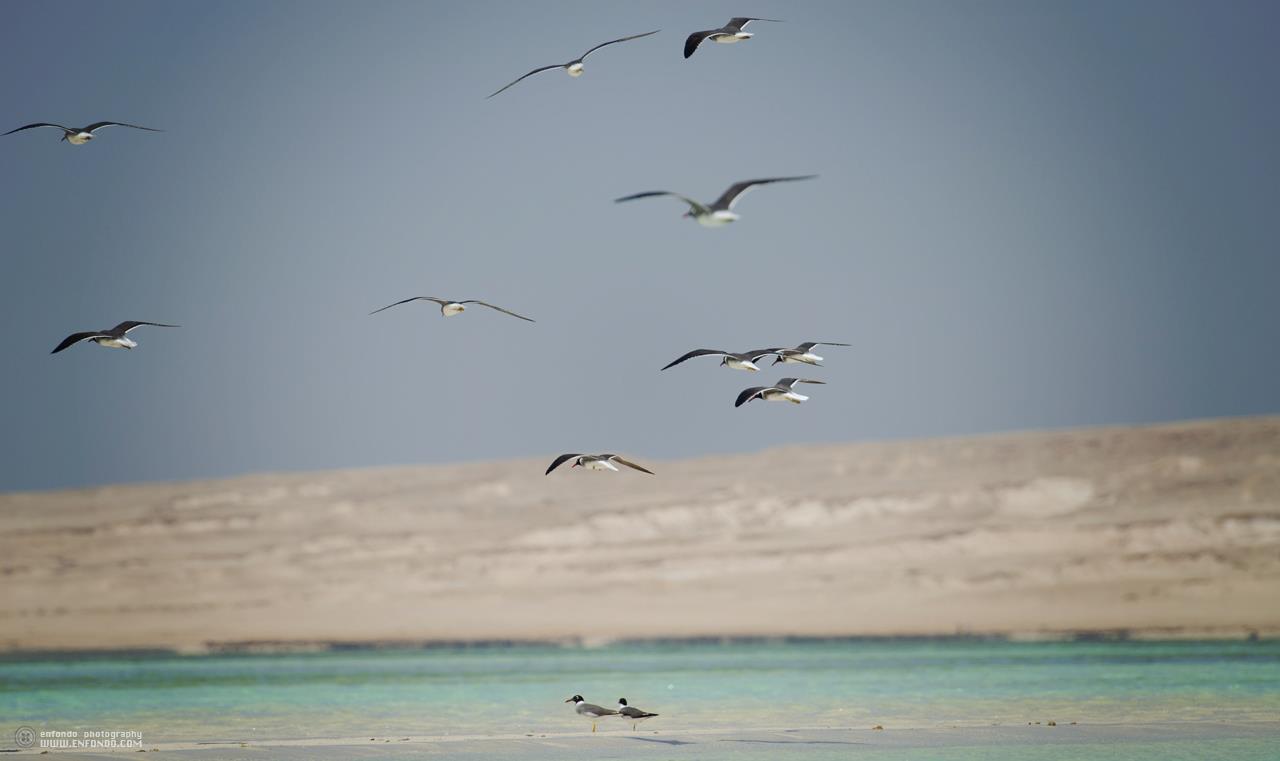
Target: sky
1029, 215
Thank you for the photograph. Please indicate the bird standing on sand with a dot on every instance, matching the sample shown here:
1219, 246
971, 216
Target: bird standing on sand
779, 392
450, 308
590, 710
634, 715
112, 338
737, 361
729, 33
79, 135
574, 67
720, 212
594, 462
803, 353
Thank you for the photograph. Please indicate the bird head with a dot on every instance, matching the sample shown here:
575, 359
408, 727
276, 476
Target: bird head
574, 699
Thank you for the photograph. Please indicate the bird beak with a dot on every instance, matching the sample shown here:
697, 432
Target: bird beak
687, 214
568, 700
575, 465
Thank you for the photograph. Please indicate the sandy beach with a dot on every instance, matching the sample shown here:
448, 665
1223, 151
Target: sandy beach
1169, 530
1142, 741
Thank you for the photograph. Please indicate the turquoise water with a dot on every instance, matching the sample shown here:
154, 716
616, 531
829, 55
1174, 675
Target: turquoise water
898, 684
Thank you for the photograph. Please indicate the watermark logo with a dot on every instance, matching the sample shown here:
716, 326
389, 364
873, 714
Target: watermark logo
25, 737
28, 737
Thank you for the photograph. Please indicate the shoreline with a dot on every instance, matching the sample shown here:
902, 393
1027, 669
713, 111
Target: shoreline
303, 647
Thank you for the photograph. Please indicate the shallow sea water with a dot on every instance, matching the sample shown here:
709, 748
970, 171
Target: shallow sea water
698, 688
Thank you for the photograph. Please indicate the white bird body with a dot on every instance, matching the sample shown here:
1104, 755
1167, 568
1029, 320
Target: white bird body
740, 364
80, 138
729, 39
807, 358
574, 69
449, 310
716, 218
123, 342
599, 465
778, 395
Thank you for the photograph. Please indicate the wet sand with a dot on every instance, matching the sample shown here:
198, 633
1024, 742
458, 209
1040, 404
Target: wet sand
1241, 742
1169, 530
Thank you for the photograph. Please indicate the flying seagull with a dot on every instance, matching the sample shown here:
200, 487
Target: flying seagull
80, 135
634, 715
112, 338
803, 353
594, 462
721, 211
730, 32
737, 361
590, 710
574, 67
450, 308
778, 392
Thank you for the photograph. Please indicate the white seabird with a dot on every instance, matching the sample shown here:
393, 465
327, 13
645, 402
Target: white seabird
590, 710
634, 715
574, 68
594, 462
112, 338
735, 360
803, 353
778, 392
729, 33
79, 135
720, 212
450, 308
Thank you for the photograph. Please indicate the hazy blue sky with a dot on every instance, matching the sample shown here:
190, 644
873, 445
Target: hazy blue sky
1029, 215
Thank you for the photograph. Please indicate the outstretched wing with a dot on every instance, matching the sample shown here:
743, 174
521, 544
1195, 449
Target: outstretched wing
530, 74
620, 39
730, 196
441, 302
76, 338
37, 124
500, 309
628, 463
560, 461
748, 394
807, 345
694, 205
787, 383
129, 325
694, 40
697, 353
737, 22
99, 125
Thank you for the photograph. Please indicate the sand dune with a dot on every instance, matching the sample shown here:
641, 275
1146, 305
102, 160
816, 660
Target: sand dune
1159, 530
